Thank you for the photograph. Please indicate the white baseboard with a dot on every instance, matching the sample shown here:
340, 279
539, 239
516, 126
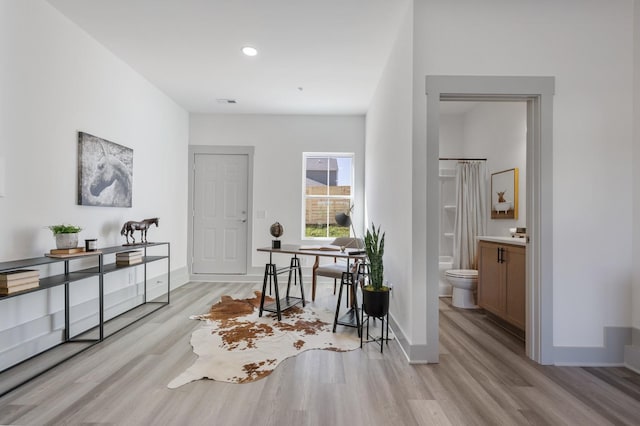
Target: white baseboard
610, 354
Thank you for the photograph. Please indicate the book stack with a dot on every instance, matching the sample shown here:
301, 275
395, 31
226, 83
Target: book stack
74, 250
127, 258
71, 252
18, 280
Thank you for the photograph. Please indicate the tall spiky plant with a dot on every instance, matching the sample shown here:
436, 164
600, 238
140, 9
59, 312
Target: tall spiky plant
374, 245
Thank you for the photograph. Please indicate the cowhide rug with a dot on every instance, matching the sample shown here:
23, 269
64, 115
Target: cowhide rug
235, 345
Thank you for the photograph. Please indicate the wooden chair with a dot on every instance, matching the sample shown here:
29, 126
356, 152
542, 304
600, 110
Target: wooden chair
334, 270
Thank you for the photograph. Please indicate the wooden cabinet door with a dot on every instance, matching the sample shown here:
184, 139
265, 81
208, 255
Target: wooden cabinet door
515, 291
490, 279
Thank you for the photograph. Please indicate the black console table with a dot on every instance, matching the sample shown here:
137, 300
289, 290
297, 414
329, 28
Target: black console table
89, 265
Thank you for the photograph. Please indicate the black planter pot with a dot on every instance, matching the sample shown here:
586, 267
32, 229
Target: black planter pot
375, 303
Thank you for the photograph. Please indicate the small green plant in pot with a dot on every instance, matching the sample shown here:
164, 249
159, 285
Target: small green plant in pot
66, 235
375, 293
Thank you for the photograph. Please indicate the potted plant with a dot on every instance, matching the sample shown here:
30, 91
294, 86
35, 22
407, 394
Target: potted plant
375, 295
66, 235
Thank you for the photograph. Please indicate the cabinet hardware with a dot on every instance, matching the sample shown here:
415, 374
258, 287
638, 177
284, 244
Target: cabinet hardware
500, 254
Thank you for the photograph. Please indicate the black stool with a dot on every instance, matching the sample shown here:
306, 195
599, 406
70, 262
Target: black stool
352, 317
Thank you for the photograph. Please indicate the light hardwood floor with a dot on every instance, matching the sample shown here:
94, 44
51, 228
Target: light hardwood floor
483, 378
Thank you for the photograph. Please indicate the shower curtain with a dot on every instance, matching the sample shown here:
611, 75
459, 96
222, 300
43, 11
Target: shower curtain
471, 213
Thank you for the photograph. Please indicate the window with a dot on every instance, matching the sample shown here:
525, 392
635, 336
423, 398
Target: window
328, 189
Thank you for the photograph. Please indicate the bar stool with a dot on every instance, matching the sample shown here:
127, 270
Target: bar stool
352, 317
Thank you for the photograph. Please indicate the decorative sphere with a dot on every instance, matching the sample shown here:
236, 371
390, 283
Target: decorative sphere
277, 230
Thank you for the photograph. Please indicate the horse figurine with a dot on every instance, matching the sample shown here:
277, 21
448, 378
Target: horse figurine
142, 226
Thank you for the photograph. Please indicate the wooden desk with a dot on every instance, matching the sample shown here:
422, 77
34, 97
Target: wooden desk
296, 250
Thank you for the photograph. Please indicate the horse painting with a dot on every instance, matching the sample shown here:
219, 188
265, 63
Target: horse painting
105, 172
129, 227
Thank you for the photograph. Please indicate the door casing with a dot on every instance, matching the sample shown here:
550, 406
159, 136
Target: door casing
538, 93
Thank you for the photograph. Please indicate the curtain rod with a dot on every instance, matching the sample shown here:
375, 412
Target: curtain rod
464, 159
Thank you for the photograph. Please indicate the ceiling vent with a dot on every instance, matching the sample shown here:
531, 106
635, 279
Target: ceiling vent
227, 101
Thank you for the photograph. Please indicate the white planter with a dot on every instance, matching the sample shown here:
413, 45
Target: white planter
66, 241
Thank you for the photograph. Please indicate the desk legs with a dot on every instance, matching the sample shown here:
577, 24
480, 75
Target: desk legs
295, 269
314, 279
352, 317
271, 275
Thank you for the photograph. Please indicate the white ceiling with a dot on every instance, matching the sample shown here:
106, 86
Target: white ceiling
334, 50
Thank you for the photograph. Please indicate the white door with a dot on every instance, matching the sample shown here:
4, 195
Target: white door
220, 214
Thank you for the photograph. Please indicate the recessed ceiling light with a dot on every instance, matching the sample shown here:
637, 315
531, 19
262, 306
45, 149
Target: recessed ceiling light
250, 51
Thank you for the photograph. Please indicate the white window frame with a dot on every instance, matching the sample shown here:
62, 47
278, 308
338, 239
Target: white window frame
351, 198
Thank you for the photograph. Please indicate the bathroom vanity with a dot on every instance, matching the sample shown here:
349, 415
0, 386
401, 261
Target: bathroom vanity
501, 279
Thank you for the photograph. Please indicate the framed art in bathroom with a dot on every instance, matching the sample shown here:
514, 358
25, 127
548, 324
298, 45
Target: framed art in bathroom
504, 194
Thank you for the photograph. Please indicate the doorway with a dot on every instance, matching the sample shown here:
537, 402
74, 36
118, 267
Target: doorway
219, 223
489, 137
537, 92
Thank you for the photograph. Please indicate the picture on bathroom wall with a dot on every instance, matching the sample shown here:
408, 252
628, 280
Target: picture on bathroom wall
105, 172
504, 194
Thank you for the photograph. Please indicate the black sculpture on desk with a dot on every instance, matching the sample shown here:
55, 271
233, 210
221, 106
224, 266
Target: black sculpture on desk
276, 231
142, 226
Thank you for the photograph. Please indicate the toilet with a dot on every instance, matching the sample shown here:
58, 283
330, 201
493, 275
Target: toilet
464, 283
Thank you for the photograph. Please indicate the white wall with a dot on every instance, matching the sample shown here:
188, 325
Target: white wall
636, 172
587, 46
279, 142
55, 81
497, 131
388, 177
451, 137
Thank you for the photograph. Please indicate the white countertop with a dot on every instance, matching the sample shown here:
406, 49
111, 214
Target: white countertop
504, 240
